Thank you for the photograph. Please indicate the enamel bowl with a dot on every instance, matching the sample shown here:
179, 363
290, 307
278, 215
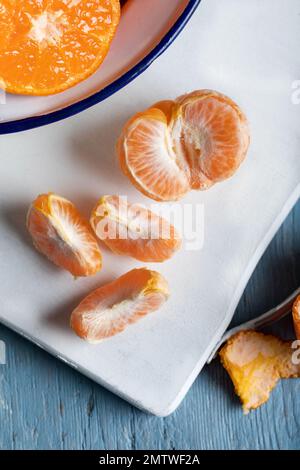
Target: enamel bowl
146, 30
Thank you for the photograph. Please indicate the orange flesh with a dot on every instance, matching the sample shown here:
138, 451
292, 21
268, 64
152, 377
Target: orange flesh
176, 146
63, 235
133, 230
47, 46
111, 308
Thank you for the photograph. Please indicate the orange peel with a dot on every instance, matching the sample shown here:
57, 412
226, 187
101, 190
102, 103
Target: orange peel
296, 316
255, 363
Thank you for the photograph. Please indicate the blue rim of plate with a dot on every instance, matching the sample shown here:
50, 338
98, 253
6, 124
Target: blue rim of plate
75, 108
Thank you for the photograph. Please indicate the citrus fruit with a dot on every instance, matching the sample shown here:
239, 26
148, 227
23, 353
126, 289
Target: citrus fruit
63, 235
190, 143
49, 46
296, 317
255, 363
133, 230
109, 309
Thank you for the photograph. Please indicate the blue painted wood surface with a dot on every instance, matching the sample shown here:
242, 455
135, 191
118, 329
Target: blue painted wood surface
46, 405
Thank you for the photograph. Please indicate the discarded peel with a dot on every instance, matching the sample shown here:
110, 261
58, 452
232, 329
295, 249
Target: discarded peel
255, 363
134, 230
49, 46
111, 308
296, 317
63, 235
190, 143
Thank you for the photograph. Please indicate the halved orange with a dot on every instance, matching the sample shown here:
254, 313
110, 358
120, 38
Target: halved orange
133, 230
111, 308
190, 143
296, 316
60, 232
47, 46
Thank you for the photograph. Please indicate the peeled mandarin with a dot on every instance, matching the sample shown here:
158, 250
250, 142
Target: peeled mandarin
190, 143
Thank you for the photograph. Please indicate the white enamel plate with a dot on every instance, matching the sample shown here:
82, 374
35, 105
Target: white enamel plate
146, 29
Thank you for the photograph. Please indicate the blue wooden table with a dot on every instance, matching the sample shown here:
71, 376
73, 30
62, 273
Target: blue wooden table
46, 405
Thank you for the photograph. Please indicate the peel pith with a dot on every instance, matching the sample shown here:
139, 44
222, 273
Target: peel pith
255, 363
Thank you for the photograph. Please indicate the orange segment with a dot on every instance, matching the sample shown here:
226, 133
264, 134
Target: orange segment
111, 308
255, 363
134, 230
147, 157
49, 46
191, 143
296, 317
63, 235
217, 132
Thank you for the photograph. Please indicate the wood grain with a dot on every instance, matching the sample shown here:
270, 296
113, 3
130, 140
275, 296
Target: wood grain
46, 405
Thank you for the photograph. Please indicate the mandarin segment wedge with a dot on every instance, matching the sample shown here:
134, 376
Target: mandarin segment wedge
60, 232
111, 308
133, 230
190, 143
49, 46
255, 363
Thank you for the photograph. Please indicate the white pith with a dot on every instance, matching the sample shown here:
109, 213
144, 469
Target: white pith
101, 321
256, 362
245, 351
119, 314
159, 151
48, 27
71, 232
